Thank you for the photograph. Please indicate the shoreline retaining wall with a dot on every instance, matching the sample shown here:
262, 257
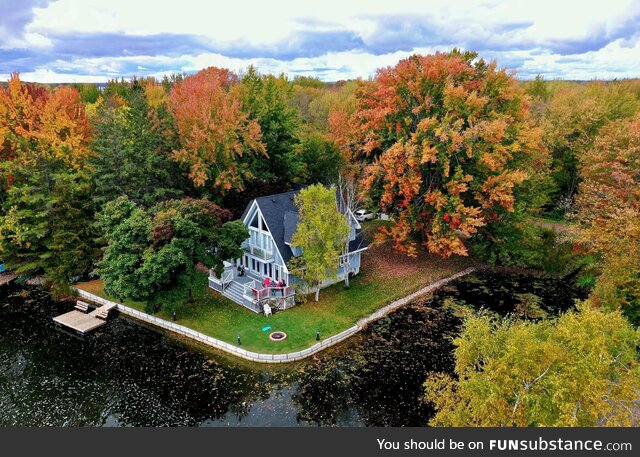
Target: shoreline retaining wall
272, 358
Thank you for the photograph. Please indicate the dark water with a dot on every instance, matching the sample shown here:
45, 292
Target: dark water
131, 375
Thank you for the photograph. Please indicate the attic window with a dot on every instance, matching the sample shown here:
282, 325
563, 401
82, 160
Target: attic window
254, 221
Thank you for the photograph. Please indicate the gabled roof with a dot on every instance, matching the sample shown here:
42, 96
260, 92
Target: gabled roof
291, 219
281, 216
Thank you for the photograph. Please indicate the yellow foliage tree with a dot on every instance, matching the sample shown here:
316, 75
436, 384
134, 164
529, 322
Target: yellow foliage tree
580, 370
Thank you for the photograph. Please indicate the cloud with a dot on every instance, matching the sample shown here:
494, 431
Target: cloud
16, 15
334, 40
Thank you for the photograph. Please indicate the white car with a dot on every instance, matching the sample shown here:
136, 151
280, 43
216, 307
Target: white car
364, 215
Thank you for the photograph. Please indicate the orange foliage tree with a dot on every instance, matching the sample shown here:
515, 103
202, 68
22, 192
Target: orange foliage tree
37, 126
448, 147
215, 133
46, 210
608, 214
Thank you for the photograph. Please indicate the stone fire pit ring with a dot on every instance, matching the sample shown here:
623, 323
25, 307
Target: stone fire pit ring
277, 336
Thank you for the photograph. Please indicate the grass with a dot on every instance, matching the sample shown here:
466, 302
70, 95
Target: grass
385, 276
558, 226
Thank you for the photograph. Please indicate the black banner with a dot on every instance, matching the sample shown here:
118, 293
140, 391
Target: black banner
309, 442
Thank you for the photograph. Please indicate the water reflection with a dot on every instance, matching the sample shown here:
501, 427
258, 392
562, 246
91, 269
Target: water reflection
131, 375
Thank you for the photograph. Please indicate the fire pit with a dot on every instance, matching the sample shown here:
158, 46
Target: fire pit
278, 336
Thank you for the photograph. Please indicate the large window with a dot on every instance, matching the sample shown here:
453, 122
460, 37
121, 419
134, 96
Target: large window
259, 239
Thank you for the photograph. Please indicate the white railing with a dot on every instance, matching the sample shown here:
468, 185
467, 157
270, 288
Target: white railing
257, 292
252, 290
227, 277
261, 253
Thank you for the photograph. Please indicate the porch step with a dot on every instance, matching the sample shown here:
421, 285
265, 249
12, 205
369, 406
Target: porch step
234, 291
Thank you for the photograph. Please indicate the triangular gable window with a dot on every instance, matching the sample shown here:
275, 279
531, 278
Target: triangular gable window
264, 225
254, 221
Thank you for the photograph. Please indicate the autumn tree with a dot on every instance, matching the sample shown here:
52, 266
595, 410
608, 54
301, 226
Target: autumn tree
340, 97
44, 228
571, 120
580, 370
216, 135
451, 152
321, 235
608, 215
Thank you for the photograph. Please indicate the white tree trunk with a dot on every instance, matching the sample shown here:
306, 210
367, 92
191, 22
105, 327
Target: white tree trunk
317, 293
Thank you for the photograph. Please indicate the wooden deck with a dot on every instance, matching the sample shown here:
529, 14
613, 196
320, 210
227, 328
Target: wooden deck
85, 322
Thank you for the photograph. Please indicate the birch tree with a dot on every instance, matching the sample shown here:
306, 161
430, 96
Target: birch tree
321, 234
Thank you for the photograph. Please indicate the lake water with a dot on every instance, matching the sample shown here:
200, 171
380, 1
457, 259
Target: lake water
127, 374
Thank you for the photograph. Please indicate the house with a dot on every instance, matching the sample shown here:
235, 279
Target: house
272, 221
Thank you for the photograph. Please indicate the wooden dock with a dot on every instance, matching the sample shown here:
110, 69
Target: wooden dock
83, 322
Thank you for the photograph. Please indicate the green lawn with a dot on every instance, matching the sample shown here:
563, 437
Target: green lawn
385, 276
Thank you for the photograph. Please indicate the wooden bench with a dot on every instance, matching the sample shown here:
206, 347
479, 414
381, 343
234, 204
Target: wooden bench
102, 314
82, 306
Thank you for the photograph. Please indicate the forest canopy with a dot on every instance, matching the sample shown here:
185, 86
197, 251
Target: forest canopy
461, 155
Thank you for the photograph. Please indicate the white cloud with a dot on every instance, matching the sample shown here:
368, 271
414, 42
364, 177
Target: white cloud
569, 39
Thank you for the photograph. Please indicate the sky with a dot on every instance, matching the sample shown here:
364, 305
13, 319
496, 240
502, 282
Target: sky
96, 40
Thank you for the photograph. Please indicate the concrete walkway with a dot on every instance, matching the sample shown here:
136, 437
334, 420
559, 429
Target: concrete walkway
275, 358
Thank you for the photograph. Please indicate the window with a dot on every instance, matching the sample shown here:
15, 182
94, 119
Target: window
254, 221
253, 264
270, 271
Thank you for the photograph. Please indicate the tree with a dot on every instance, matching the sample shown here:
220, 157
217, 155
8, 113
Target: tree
322, 234
267, 100
349, 201
126, 229
608, 215
320, 160
571, 121
44, 229
450, 152
153, 255
581, 370
88, 92
133, 145
70, 249
335, 98
216, 135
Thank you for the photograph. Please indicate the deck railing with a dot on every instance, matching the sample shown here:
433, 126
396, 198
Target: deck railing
227, 277
261, 253
256, 291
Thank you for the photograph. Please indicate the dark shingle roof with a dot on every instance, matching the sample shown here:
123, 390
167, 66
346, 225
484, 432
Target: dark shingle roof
281, 215
290, 225
274, 208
